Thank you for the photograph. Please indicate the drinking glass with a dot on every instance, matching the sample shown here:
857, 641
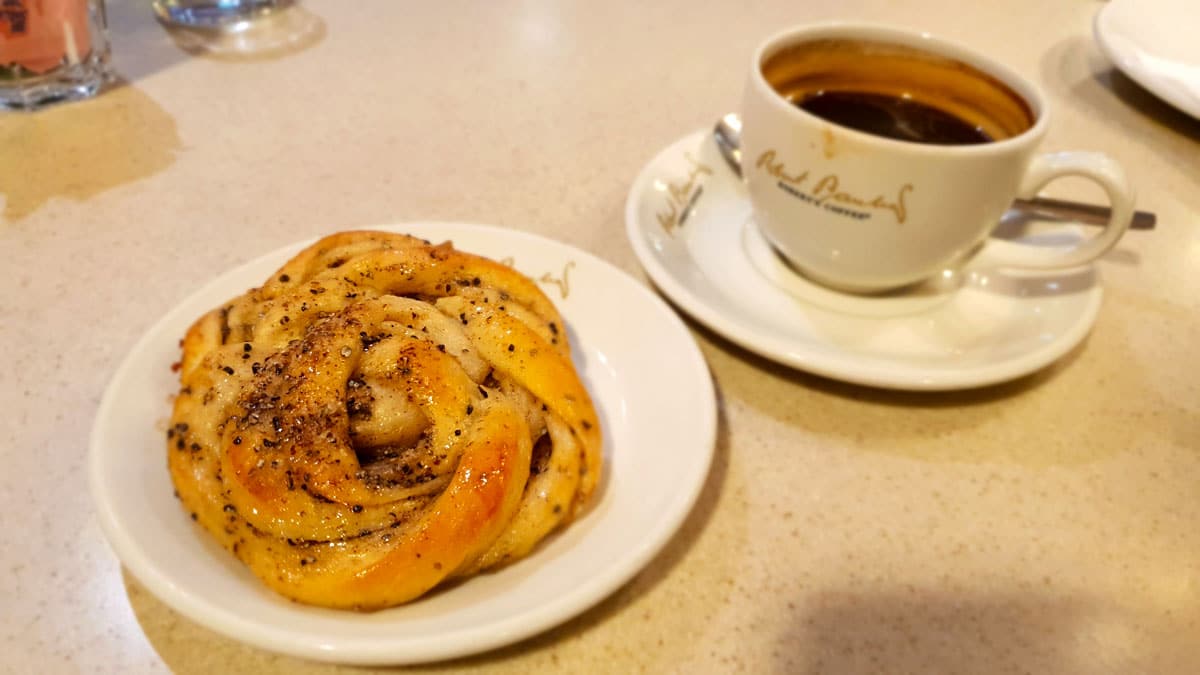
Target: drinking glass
51, 51
214, 13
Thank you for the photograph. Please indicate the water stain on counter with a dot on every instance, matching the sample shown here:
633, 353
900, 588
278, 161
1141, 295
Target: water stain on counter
79, 150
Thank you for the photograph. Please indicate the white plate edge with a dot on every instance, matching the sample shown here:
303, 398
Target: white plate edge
1104, 33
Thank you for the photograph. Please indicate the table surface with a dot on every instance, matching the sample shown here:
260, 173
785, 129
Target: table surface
1045, 525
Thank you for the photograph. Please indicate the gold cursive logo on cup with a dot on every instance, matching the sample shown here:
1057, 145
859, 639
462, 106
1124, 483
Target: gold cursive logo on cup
827, 191
681, 197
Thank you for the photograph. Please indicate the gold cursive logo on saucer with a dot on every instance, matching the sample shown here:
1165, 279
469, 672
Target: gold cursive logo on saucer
827, 192
682, 197
562, 283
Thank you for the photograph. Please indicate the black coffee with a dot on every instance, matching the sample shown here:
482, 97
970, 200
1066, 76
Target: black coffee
903, 119
898, 92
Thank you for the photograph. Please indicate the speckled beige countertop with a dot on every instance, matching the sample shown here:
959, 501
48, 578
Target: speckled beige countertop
1049, 525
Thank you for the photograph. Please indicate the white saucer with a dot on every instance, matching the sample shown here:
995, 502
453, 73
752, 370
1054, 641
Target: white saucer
976, 327
657, 407
1154, 43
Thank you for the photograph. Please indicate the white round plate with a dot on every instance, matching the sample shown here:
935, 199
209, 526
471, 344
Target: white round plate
652, 391
1154, 43
689, 220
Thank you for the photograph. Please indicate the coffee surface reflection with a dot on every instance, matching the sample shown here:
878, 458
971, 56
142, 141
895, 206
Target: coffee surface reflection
903, 119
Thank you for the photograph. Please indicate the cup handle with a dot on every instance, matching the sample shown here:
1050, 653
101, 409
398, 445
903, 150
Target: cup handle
1099, 168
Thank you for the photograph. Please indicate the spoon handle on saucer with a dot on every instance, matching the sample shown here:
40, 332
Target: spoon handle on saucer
1084, 213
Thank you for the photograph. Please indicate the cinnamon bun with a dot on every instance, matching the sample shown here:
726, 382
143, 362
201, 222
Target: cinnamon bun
380, 416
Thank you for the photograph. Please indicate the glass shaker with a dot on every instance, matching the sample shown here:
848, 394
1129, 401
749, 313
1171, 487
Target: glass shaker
51, 51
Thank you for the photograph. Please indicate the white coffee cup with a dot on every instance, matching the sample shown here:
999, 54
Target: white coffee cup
864, 212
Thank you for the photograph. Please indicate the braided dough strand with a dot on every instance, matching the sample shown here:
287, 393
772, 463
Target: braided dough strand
382, 414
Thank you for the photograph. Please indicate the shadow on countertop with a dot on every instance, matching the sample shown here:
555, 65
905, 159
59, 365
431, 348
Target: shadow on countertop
1076, 68
1002, 424
939, 632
